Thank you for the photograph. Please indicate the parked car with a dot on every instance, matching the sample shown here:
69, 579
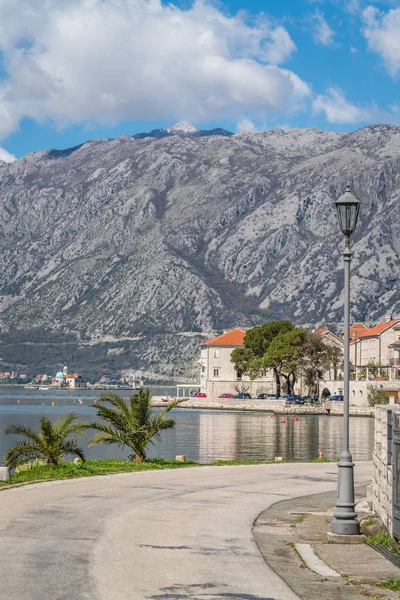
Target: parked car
294, 400
243, 395
335, 398
201, 395
226, 396
266, 396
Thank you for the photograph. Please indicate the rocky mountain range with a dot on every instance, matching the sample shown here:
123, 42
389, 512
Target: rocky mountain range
126, 253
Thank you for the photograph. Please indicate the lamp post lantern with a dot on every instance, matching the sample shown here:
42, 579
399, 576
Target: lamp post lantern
345, 521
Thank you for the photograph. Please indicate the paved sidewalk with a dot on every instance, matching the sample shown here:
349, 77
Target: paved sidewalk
301, 524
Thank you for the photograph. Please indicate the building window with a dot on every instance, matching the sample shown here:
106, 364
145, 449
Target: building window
239, 374
217, 353
216, 372
203, 369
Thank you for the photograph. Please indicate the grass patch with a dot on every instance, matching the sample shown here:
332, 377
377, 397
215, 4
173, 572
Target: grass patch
390, 584
222, 463
370, 520
300, 518
91, 468
323, 459
383, 540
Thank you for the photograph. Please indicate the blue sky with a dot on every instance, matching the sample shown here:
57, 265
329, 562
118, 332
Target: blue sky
81, 69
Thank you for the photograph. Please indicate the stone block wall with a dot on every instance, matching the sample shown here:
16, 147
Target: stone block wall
382, 486
336, 408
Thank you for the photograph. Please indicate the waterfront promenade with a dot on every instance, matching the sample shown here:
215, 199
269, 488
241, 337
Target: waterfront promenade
271, 406
183, 534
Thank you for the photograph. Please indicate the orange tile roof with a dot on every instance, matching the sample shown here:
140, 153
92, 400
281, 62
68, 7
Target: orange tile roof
377, 329
357, 326
321, 330
357, 329
235, 337
74, 376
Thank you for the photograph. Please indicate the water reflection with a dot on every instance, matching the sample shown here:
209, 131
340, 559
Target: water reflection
206, 436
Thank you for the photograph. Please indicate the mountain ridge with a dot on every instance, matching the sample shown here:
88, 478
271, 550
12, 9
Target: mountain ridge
162, 235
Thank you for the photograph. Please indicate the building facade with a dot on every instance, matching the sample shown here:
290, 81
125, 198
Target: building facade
75, 381
376, 350
218, 374
375, 361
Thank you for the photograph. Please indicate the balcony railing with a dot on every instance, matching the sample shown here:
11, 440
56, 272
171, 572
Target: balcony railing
394, 362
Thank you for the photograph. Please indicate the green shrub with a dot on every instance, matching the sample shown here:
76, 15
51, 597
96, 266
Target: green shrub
376, 396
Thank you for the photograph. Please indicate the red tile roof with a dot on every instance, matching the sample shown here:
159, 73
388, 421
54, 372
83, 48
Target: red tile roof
356, 330
379, 328
376, 330
321, 330
74, 376
235, 337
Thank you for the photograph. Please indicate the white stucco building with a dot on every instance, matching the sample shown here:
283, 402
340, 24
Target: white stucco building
75, 381
378, 345
218, 374
375, 357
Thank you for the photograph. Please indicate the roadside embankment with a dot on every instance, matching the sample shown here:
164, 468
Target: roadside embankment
270, 406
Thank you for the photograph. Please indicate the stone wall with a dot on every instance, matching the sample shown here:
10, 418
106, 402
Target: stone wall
336, 408
359, 389
383, 476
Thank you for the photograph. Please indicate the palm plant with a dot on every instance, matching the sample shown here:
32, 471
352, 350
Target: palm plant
130, 425
52, 443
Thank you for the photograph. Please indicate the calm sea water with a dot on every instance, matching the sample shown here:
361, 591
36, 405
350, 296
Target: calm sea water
200, 435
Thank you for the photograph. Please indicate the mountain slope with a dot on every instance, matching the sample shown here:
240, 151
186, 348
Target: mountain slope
195, 232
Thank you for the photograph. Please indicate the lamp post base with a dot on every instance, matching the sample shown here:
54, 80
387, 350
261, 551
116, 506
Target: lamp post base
345, 518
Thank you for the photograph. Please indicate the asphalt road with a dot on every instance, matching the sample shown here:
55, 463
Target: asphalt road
183, 534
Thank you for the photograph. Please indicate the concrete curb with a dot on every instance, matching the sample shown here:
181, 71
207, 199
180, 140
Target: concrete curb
313, 562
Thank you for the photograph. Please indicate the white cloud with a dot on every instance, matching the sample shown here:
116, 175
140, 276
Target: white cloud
245, 124
102, 61
322, 33
280, 47
382, 32
7, 156
338, 110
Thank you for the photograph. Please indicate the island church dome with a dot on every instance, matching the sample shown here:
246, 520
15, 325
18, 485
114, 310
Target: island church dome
60, 374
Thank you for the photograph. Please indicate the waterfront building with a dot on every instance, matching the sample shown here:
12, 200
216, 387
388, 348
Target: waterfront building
218, 374
375, 360
329, 338
374, 355
58, 379
75, 381
377, 349
72, 380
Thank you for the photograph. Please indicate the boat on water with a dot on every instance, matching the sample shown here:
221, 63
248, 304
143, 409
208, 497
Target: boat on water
43, 387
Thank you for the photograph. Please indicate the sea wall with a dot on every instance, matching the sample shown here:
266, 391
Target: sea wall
270, 406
